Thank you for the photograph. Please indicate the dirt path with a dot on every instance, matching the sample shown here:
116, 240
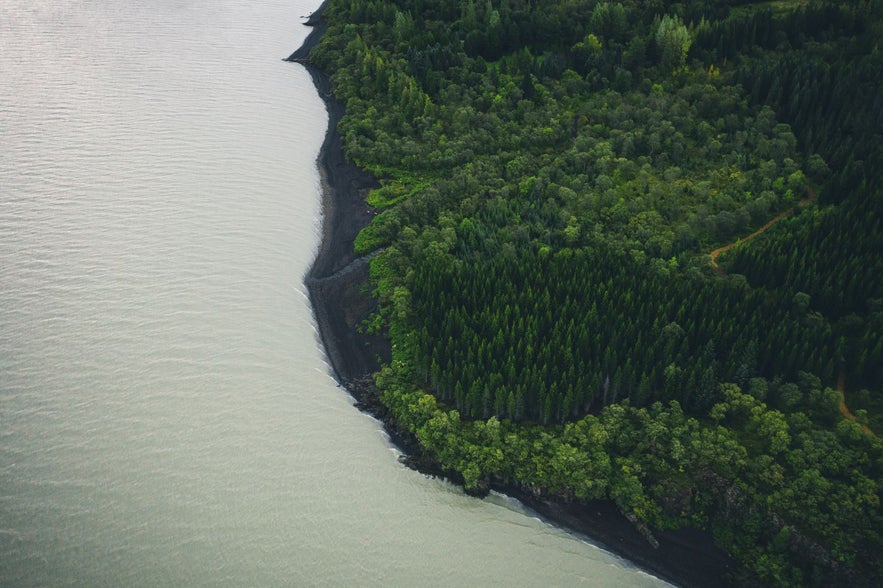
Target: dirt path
844, 410
714, 254
841, 377
335, 279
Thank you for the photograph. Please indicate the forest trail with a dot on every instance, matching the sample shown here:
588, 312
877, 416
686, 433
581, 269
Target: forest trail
844, 410
714, 254
841, 377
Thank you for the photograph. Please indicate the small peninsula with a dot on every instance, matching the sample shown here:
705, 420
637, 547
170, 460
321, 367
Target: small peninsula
621, 261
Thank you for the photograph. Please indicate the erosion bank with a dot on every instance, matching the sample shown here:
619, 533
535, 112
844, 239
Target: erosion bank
336, 284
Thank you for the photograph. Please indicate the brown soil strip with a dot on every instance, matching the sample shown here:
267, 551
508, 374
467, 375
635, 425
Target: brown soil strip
336, 283
714, 254
844, 410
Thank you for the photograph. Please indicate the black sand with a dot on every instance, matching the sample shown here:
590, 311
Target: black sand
337, 284
337, 280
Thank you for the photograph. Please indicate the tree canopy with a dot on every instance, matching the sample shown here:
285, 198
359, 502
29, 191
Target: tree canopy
553, 178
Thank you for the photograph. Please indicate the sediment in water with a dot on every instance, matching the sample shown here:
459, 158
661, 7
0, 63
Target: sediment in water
337, 284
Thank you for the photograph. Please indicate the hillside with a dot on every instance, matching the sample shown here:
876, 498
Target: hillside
553, 177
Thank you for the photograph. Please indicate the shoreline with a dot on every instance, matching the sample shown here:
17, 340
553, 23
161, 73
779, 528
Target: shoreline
336, 275
335, 283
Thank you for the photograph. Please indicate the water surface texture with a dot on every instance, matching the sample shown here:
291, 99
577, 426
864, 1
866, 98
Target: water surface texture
166, 414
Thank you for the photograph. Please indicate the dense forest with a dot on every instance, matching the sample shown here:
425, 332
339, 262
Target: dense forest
553, 177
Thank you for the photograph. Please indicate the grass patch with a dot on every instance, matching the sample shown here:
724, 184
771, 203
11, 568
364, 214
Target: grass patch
397, 186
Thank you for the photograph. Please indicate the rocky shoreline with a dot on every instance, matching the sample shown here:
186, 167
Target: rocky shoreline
337, 286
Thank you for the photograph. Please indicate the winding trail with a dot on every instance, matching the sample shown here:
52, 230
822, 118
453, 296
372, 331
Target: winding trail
714, 254
841, 377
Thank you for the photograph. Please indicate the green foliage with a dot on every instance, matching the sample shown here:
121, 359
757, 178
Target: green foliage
395, 189
543, 331
552, 180
744, 480
674, 41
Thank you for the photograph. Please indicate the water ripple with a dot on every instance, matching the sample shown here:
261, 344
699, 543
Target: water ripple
166, 415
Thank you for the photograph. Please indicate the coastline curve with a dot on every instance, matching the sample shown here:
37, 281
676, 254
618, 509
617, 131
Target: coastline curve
336, 286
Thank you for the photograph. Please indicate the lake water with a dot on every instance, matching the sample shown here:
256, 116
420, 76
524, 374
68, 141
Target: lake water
166, 414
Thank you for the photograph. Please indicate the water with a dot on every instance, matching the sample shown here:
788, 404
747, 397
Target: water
166, 415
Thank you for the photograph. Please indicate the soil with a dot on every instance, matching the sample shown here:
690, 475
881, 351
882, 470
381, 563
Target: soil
340, 295
784, 214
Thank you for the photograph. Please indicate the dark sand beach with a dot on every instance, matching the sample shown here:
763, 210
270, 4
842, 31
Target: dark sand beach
337, 284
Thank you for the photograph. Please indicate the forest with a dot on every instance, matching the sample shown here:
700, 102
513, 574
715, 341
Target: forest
554, 176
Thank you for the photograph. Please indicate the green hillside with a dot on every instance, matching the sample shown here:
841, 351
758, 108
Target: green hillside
554, 177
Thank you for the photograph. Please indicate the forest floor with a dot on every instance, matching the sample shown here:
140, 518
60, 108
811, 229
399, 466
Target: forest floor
784, 214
